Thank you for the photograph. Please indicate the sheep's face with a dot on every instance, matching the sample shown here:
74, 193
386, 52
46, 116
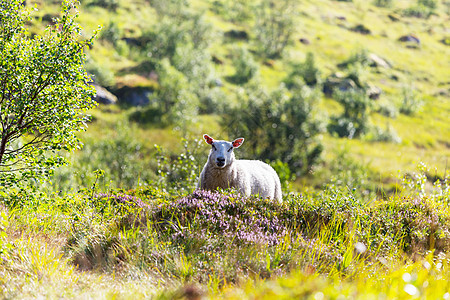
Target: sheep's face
221, 154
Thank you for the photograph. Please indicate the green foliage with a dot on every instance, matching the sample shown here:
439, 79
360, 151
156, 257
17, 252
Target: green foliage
100, 73
410, 101
245, 65
235, 11
181, 173
111, 33
122, 158
274, 26
278, 126
352, 175
112, 5
44, 92
422, 9
378, 134
307, 70
5, 246
178, 46
354, 121
176, 99
383, 3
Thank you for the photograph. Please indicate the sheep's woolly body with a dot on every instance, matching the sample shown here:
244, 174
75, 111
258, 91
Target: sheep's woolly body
249, 177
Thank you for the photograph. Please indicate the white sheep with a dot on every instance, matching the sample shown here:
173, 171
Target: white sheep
249, 177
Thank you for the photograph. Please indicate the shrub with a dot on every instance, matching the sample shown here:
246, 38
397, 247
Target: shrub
46, 90
245, 65
355, 118
307, 70
274, 26
235, 11
422, 9
178, 46
175, 97
119, 154
378, 134
383, 3
101, 73
111, 33
181, 173
112, 5
278, 126
410, 102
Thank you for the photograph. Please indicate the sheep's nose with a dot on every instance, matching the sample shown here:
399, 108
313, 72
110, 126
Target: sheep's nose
220, 161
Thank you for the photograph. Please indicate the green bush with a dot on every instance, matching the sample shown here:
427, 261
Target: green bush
378, 134
307, 70
235, 11
118, 154
274, 26
354, 120
278, 126
46, 89
111, 33
422, 9
180, 174
383, 3
245, 65
101, 73
410, 101
112, 5
175, 96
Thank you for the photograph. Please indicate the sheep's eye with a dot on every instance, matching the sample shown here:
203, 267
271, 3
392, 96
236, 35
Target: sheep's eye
229, 150
214, 147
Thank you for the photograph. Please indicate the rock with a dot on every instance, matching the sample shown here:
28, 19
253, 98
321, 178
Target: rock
360, 28
376, 61
409, 39
103, 96
305, 41
237, 34
269, 63
373, 92
446, 41
336, 81
134, 96
394, 17
217, 60
218, 82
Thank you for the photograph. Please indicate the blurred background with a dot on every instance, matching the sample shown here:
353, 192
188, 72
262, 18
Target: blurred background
348, 93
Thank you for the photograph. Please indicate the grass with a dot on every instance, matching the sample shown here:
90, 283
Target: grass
151, 242
332, 42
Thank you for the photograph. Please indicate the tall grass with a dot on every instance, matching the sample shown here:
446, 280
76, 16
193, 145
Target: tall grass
219, 243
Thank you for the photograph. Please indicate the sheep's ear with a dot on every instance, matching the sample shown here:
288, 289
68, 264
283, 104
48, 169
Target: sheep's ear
238, 142
208, 139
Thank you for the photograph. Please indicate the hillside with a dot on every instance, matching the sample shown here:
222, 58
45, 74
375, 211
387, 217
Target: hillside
413, 73
348, 101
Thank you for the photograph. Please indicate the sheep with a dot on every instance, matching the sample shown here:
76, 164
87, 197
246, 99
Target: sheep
249, 177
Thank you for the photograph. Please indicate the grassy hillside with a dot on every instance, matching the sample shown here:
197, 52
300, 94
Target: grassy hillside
354, 120
419, 71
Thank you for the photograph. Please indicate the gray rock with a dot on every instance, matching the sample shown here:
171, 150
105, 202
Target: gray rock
376, 61
336, 81
373, 92
305, 41
103, 96
134, 96
361, 28
409, 39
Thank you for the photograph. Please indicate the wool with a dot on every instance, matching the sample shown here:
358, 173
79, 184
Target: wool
249, 177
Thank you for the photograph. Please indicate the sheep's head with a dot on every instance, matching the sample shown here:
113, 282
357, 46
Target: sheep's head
222, 154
